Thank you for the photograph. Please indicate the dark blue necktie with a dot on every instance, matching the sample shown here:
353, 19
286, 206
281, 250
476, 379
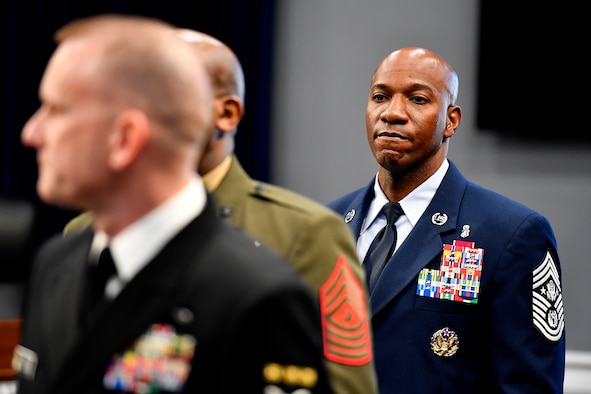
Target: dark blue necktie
383, 245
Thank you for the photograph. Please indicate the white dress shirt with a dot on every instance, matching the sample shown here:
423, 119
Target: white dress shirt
140, 242
413, 205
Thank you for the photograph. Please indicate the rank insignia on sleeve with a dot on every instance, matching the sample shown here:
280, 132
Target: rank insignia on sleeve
345, 319
458, 276
547, 308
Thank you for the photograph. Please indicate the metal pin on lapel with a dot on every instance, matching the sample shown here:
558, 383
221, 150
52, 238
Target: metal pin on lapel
349, 216
439, 219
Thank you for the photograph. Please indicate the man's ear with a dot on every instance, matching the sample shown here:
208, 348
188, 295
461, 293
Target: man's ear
229, 111
454, 117
130, 135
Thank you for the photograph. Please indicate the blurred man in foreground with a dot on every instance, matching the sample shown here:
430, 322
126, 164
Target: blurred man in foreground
159, 294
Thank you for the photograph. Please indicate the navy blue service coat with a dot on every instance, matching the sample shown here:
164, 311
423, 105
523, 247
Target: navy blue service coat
472, 299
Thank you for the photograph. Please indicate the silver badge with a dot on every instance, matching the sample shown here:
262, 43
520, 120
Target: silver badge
24, 361
439, 219
183, 315
277, 390
465, 231
444, 342
349, 216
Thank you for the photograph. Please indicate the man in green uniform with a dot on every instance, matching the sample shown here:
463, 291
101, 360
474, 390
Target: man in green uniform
307, 234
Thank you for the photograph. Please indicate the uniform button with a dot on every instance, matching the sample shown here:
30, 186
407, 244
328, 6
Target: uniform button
225, 211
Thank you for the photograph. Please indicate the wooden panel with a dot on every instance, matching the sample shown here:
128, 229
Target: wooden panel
9, 337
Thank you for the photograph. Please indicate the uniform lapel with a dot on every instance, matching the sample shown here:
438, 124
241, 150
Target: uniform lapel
150, 297
355, 213
142, 301
63, 299
424, 243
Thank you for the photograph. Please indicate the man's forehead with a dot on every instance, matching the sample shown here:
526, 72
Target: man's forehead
425, 71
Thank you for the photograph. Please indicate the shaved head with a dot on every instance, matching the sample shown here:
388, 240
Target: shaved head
222, 64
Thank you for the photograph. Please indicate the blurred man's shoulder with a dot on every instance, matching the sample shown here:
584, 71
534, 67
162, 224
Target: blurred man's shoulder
291, 200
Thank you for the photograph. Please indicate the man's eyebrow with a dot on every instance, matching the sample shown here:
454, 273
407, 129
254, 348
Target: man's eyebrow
379, 86
413, 87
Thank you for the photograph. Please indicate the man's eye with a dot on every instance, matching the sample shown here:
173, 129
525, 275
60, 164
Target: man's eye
418, 99
379, 97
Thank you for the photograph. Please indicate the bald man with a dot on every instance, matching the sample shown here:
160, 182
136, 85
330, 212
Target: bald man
310, 236
159, 295
468, 298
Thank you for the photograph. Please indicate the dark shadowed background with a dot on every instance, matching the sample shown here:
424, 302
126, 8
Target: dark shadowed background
26, 44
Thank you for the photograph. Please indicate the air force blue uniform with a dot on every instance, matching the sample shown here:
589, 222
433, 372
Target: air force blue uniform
472, 299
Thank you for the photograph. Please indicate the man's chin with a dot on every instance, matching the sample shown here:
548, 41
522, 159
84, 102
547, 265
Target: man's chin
51, 197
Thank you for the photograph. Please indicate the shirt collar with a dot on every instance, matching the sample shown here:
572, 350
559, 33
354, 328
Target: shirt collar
417, 201
136, 245
414, 204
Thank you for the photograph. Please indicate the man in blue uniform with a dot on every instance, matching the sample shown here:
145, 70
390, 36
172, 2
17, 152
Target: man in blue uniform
469, 297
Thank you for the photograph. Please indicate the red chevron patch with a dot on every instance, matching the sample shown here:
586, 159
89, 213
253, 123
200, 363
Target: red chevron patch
345, 321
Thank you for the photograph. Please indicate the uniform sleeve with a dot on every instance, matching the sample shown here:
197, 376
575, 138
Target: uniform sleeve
527, 318
281, 336
325, 255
